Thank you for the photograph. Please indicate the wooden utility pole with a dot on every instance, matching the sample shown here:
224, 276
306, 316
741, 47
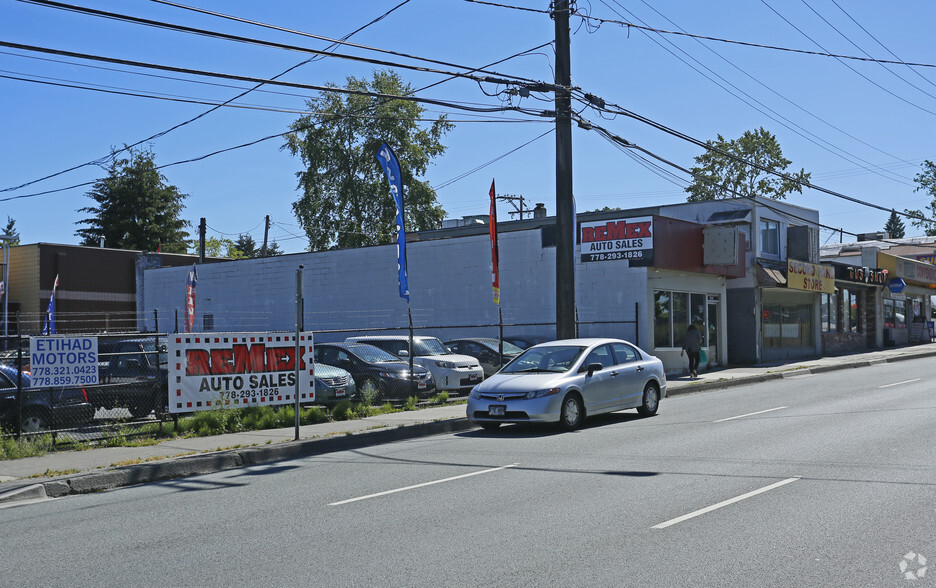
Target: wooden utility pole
266, 233
565, 263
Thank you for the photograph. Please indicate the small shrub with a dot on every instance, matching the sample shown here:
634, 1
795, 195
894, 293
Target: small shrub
342, 411
410, 403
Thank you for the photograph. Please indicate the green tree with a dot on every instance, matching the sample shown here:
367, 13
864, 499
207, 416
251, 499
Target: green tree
10, 231
895, 226
927, 183
136, 208
717, 176
217, 247
345, 201
246, 247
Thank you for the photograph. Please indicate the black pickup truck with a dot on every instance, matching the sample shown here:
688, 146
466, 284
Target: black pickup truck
133, 374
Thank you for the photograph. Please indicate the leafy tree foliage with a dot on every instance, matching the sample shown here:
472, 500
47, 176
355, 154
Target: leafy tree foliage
927, 183
345, 201
10, 231
136, 208
217, 247
895, 227
717, 176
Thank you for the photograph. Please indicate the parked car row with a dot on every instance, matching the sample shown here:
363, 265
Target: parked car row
42, 408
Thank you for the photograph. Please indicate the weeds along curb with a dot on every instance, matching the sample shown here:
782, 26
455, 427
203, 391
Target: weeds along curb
719, 384
195, 465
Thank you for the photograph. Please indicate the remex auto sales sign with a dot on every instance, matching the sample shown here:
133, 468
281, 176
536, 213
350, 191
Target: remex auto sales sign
210, 370
630, 239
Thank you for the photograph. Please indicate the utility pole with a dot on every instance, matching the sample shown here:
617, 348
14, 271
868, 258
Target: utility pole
202, 226
512, 199
266, 232
565, 263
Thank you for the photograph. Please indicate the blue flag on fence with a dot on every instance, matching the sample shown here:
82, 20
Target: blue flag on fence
391, 168
48, 327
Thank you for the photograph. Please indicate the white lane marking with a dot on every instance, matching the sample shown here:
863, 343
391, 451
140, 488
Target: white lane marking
423, 484
724, 503
741, 416
899, 383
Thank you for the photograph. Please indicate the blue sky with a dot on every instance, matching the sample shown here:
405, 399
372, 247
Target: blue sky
861, 128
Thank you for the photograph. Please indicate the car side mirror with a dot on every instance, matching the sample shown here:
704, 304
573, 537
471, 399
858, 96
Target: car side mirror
403, 353
594, 367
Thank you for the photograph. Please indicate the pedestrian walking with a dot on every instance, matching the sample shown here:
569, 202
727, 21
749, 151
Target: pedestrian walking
691, 344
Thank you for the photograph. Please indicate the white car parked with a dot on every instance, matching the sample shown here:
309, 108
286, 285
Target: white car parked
452, 372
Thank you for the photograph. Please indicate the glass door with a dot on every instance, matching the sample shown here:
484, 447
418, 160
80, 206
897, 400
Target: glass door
711, 335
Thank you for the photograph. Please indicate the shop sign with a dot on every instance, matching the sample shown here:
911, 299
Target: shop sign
630, 239
913, 270
810, 277
861, 275
930, 258
896, 285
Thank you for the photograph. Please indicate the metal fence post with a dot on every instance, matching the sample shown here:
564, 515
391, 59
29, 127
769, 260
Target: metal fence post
412, 380
637, 324
299, 328
19, 379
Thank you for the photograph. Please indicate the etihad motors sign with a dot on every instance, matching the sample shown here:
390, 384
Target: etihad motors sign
630, 239
236, 370
810, 277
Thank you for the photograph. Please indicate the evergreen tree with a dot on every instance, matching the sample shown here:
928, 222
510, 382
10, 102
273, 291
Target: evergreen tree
895, 226
136, 208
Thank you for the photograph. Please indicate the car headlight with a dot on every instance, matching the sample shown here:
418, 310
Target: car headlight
475, 393
397, 375
445, 364
542, 393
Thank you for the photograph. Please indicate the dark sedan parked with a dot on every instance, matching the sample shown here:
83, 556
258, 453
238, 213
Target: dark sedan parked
380, 376
43, 408
486, 351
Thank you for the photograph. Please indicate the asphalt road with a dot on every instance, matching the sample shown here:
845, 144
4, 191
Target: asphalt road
819, 480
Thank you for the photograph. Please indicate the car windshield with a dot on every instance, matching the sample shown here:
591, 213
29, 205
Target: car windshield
372, 354
552, 358
509, 348
430, 346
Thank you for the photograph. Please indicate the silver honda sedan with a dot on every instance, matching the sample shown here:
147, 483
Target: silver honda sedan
565, 381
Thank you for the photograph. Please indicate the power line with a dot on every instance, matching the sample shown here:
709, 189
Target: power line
866, 78
820, 119
495, 160
627, 24
760, 106
272, 44
201, 115
615, 109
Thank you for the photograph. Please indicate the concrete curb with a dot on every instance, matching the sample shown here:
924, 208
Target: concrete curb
194, 465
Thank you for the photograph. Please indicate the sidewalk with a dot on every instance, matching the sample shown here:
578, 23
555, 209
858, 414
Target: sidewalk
71, 472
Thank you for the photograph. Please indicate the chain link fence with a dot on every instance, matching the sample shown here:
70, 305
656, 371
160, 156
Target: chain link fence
133, 371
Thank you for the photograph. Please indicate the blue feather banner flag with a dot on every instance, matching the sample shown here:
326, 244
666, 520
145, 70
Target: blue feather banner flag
391, 168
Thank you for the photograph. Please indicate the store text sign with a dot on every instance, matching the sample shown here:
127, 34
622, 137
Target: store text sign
235, 370
630, 239
810, 277
861, 275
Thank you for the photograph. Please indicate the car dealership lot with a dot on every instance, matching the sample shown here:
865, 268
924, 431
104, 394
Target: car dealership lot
585, 508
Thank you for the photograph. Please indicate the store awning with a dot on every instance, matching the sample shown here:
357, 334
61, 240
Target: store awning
770, 277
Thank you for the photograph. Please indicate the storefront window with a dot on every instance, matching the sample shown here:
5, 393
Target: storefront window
900, 314
672, 313
662, 326
786, 325
829, 313
851, 311
680, 316
770, 237
888, 313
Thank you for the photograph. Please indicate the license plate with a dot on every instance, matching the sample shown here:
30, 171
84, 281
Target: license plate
420, 385
473, 378
496, 410
340, 392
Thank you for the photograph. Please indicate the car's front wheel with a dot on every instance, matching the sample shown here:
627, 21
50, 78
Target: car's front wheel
651, 401
573, 412
35, 422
